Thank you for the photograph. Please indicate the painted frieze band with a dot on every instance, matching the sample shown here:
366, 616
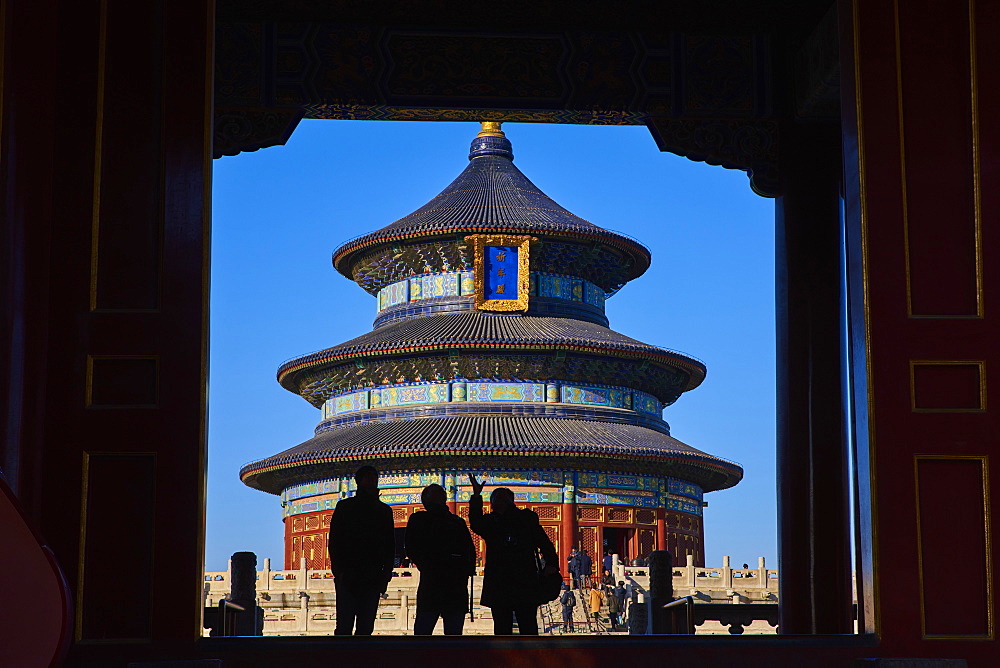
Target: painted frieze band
506, 391
440, 392
462, 284
592, 395
404, 488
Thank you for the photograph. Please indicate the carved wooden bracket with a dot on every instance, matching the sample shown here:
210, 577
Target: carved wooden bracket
750, 145
239, 130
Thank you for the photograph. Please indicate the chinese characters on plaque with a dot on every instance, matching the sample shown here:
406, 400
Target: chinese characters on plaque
501, 271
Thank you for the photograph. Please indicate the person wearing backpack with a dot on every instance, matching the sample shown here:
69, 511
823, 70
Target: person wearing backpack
513, 538
568, 602
439, 543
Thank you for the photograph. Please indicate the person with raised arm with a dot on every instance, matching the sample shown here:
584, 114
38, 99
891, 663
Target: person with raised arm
511, 579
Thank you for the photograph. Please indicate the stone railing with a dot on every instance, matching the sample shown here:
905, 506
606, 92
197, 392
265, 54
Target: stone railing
300, 579
708, 585
302, 601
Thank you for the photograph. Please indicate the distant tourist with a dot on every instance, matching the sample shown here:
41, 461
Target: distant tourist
568, 601
607, 579
585, 566
513, 538
607, 562
631, 589
622, 594
614, 608
362, 550
573, 566
439, 543
596, 599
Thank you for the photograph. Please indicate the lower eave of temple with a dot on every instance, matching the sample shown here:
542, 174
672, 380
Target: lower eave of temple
476, 443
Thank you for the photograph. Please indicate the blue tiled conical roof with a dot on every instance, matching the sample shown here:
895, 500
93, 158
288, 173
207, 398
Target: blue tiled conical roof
493, 196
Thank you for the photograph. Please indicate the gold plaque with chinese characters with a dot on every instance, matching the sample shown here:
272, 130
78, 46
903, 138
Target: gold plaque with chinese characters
501, 271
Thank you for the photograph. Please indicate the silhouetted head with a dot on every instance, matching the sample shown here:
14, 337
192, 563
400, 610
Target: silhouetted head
434, 496
501, 499
366, 478
621, 583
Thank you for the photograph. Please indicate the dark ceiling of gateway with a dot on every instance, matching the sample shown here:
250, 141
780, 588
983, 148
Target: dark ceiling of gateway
793, 19
715, 81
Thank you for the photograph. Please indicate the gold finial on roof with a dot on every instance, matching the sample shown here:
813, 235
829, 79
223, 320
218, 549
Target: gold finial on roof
491, 129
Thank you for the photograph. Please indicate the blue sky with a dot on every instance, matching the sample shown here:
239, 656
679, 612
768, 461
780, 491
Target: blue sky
279, 213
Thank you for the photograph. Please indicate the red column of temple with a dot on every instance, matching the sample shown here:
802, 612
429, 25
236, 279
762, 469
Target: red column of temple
451, 487
288, 542
567, 527
661, 530
567, 532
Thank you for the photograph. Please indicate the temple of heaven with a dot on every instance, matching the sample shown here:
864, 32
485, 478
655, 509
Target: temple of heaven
491, 354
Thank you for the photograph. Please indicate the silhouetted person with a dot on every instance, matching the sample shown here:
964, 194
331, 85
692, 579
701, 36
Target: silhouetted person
607, 562
510, 582
439, 543
362, 549
568, 601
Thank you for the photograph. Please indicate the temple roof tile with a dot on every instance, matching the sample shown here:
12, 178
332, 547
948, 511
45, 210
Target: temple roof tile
492, 195
458, 441
457, 330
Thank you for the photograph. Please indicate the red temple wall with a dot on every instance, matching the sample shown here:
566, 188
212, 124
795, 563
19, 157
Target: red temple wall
683, 533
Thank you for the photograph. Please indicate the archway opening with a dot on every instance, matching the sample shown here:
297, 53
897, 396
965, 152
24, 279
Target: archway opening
709, 292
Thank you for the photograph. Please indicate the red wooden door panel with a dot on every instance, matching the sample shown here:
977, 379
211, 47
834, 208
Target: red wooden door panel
922, 152
110, 213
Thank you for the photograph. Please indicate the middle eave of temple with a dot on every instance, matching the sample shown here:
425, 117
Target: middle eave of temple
501, 334
490, 196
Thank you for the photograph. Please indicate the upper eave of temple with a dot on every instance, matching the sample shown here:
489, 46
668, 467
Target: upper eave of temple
492, 196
